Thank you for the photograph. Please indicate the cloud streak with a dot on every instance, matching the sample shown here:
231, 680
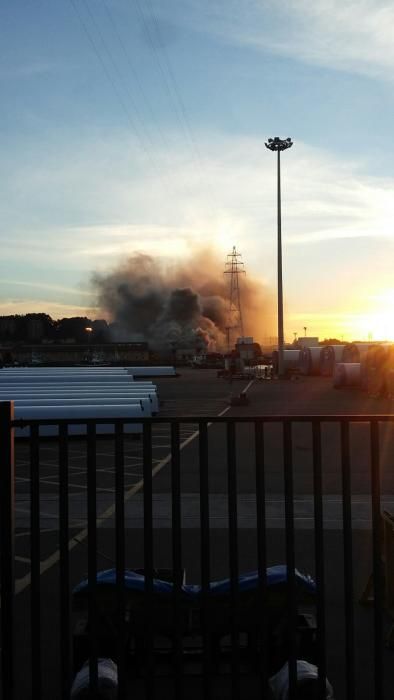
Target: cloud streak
44, 286
232, 196
10, 307
231, 200
347, 35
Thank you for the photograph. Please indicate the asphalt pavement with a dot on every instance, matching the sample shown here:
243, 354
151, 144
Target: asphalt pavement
200, 393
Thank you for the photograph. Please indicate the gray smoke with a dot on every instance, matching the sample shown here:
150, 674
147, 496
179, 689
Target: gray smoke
185, 304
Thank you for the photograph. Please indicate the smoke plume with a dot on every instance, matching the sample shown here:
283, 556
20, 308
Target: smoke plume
186, 303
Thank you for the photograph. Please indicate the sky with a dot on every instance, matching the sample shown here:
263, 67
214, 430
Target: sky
139, 126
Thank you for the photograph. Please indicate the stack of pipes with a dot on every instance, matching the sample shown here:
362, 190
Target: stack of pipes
291, 360
68, 392
346, 374
310, 360
329, 356
379, 363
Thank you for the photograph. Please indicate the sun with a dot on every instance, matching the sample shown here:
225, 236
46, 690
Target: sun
377, 323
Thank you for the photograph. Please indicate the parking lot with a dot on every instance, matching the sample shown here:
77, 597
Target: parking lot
199, 393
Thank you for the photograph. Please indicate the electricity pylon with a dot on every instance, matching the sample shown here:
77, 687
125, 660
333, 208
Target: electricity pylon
234, 268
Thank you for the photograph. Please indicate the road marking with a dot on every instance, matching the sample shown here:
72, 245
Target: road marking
23, 560
26, 533
22, 583
303, 505
248, 386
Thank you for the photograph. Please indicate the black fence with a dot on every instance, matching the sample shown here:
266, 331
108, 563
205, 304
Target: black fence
293, 565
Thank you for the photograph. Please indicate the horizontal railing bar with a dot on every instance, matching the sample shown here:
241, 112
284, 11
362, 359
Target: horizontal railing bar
329, 418
203, 423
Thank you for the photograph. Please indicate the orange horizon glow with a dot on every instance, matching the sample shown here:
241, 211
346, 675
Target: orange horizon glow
370, 318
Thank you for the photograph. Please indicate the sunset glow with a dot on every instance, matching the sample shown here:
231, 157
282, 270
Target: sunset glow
93, 177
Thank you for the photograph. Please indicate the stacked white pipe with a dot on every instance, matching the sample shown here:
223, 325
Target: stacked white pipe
291, 360
58, 392
346, 374
329, 356
355, 352
390, 383
310, 360
379, 364
358, 353
134, 371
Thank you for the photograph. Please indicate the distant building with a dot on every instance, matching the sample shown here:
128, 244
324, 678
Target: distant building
35, 329
184, 356
8, 326
247, 349
209, 360
307, 342
74, 354
245, 340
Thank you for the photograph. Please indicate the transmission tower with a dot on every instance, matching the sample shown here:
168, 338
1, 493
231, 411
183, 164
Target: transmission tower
234, 268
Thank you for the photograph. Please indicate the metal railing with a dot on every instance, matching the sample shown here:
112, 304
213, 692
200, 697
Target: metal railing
26, 602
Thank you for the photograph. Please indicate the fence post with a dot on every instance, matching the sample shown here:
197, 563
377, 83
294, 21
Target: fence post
7, 541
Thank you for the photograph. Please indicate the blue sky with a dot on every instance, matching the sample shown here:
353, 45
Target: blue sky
137, 125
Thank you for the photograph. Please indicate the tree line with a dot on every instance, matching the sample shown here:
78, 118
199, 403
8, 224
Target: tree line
40, 327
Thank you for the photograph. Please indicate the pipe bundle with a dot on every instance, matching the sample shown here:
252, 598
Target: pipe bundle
379, 362
346, 374
310, 360
290, 360
81, 392
329, 356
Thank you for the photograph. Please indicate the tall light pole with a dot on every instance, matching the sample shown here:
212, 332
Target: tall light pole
279, 145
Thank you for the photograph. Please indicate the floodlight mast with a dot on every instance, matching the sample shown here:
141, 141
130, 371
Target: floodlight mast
278, 145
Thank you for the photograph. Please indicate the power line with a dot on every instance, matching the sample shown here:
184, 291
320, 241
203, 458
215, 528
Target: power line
166, 82
168, 79
175, 87
129, 118
171, 85
111, 58
133, 70
101, 60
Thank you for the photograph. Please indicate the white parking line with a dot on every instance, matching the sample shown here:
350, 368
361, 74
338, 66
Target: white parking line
22, 560
76, 486
18, 509
27, 533
248, 386
22, 583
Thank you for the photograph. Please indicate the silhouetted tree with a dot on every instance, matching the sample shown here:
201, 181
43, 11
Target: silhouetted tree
332, 341
101, 332
74, 328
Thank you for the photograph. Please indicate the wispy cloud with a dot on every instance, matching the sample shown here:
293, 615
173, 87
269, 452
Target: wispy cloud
29, 70
54, 309
80, 217
43, 286
342, 34
335, 216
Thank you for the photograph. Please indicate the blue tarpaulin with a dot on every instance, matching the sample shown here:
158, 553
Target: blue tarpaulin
276, 575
